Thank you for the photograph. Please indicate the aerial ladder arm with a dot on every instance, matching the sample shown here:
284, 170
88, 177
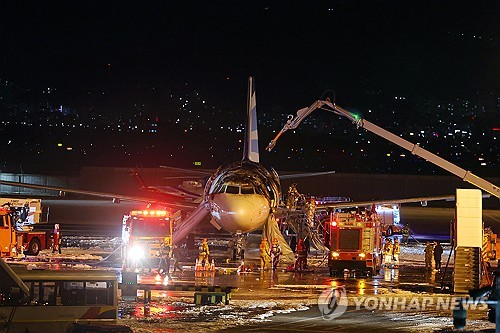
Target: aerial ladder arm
293, 123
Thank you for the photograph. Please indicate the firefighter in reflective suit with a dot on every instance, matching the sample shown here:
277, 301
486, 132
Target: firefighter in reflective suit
265, 257
165, 254
275, 253
388, 253
204, 252
301, 263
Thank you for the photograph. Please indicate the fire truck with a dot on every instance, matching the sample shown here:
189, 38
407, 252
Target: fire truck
354, 240
143, 232
491, 248
18, 217
389, 217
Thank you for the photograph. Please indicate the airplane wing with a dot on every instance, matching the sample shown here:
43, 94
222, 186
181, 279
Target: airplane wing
199, 174
164, 189
169, 190
194, 172
166, 199
307, 174
422, 200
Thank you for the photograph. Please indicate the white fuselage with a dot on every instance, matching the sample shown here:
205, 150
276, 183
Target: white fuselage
239, 212
241, 196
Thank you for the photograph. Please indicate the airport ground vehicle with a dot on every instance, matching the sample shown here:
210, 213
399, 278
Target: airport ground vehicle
56, 299
143, 232
490, 251
354, 240
389, 217
18, 216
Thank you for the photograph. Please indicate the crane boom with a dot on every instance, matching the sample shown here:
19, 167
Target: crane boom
293, 122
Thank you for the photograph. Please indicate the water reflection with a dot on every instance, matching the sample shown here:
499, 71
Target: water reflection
391, 275
204, 278
361, 287
430, 276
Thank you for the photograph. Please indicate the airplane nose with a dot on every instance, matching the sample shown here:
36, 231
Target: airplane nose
243, 210
240, 213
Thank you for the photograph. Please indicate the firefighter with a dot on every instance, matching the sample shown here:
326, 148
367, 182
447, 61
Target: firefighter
396, 250
204, 252
165, 255
429, 253
56, 244
265, 256
388, 252
275, 253
438, 251
176, 256
292, 196
310, 209
301, 263
406, 233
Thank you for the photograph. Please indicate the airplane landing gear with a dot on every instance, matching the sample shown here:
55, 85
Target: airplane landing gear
237, 243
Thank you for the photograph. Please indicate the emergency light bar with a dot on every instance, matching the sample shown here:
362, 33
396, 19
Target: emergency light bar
149, 213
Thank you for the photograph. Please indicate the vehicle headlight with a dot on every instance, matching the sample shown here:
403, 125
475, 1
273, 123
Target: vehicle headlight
362, 255
136, 253
335, 254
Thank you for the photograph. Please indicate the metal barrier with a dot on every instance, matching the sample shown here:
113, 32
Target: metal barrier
203, 295
460, 314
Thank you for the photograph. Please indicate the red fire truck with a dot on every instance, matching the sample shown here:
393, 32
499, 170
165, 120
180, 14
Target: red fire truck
354, 240
17, 218
143, 232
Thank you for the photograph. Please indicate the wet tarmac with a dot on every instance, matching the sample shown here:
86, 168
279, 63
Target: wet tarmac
270, 301
285, 301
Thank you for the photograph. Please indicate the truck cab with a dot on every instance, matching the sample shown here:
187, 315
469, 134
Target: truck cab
143, 232
354, 240
17, 218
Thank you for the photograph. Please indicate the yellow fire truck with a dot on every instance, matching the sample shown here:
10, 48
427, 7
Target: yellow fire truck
17, 218
354, 240
143, 232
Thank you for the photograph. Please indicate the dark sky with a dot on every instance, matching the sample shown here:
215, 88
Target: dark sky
295, 49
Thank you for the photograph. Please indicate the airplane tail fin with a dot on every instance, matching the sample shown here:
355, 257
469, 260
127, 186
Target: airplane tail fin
251, 149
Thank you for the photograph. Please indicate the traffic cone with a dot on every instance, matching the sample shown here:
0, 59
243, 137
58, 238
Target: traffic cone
212, 266
198, 266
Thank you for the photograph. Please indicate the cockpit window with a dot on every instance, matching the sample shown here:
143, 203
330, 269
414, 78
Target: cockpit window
247, 190
232, 189
220, 189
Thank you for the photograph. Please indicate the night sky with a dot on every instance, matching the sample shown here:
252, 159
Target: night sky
136, 52
296, 50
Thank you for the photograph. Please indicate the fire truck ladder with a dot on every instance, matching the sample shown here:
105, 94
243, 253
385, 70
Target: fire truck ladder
415, 149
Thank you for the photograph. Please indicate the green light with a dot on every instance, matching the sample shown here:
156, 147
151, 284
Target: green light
59, 144
197, 163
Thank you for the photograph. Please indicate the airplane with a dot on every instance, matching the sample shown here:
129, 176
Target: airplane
239, 198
